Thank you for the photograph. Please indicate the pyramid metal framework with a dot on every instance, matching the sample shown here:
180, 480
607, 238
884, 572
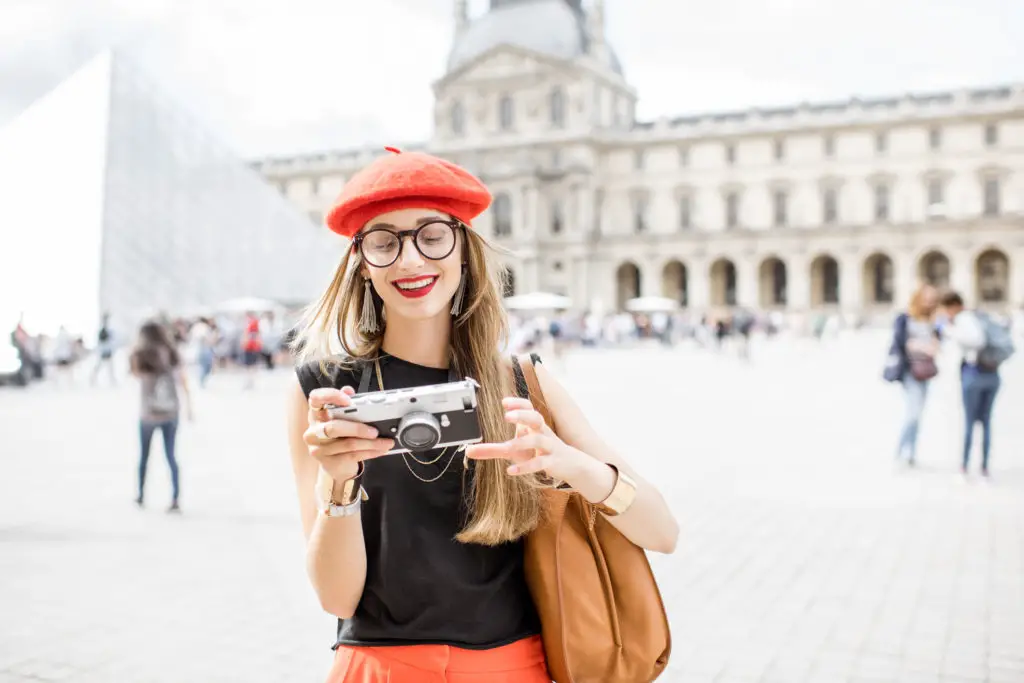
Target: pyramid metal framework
115, 199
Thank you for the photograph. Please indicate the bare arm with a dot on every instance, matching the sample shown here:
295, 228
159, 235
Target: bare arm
648, 522
335, 550
182, 378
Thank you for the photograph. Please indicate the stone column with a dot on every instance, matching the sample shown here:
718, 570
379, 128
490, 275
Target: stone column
904, 277
584, 198
851, 283
961, 276
528, 217
798, 283
746, 282
531, 275
579, 290
699, 273
1016, 293
650, 277
601, 284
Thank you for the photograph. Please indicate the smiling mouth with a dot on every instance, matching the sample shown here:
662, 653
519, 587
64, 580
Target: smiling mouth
413, 288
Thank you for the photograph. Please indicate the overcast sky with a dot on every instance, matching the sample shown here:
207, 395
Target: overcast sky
276, 76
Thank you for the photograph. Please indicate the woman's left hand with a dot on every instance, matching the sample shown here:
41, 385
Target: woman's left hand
535, 448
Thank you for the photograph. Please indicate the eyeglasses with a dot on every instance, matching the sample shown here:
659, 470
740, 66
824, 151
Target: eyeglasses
380, 247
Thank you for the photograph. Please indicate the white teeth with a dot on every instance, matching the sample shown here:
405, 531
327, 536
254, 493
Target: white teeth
415, 284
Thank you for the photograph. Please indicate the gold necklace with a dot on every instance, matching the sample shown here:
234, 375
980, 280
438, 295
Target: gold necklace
380, 385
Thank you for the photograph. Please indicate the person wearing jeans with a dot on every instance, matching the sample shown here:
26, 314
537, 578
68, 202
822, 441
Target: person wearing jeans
980, 386
916, 343
155, 361
915, 392
168, 430
979, 391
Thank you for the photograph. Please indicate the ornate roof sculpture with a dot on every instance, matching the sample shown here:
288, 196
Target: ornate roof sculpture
553, 27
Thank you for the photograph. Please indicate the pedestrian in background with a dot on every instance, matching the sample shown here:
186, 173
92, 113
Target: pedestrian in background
157, 364
912, 363
984, 346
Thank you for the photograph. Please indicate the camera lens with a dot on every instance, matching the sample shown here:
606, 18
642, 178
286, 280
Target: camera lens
419, 431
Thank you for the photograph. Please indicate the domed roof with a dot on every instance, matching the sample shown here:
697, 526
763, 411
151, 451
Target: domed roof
551, 27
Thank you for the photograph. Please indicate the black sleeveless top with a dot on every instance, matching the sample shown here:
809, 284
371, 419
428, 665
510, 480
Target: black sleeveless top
423, 586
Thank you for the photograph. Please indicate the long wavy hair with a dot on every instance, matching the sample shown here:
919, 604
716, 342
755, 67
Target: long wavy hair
502, 508
917, 309
154, 352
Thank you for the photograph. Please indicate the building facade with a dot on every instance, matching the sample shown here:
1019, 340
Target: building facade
836, 206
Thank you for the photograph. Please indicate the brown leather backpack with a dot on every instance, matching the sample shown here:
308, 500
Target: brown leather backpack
602, 617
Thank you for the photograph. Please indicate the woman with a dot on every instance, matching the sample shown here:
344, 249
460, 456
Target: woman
155, 361
916, 342
420, 555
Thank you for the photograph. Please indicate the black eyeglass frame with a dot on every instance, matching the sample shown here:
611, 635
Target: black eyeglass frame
455, 225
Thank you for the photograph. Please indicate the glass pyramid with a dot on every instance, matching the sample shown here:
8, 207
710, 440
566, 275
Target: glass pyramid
113, 199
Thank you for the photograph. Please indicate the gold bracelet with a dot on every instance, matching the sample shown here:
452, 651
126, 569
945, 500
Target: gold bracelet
329, 491
622, 496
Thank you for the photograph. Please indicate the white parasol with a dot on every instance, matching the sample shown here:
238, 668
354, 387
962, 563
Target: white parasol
652, 304
538, 301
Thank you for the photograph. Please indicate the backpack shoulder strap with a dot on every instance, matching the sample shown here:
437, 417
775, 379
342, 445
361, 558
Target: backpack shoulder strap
528, 386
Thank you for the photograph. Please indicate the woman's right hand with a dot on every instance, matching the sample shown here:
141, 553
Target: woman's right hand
340, 445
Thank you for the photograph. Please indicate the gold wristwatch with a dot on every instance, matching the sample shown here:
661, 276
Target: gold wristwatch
622, 496
340, 498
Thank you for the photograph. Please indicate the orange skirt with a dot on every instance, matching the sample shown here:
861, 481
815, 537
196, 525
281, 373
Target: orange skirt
519, 662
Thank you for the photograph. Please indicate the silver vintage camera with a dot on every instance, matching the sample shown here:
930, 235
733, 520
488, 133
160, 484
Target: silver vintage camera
419, 418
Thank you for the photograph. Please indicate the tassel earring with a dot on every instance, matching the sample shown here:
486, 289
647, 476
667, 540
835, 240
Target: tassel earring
368, 319
460, 293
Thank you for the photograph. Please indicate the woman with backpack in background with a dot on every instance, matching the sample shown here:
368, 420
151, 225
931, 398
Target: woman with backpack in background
985, 345
157, 364
912, 363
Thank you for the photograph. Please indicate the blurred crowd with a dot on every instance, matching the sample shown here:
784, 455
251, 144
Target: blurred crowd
251, 340
210, 343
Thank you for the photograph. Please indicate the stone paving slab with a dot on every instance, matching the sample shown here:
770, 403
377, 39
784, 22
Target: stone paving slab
806, 556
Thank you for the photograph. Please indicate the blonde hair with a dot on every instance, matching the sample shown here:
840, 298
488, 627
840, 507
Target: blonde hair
916, 309
503, 507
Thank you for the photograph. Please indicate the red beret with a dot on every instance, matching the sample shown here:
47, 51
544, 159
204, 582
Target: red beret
407, 180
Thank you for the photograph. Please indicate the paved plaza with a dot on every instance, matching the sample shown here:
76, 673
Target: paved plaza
805, 554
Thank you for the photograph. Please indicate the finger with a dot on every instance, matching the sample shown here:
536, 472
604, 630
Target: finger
527, 418
349, 446
321, 432
318, 398
516, 403
531, 466
488, 451
509, 449
532, 441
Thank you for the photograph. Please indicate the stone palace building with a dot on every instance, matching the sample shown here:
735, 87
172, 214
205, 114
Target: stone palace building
830, 206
